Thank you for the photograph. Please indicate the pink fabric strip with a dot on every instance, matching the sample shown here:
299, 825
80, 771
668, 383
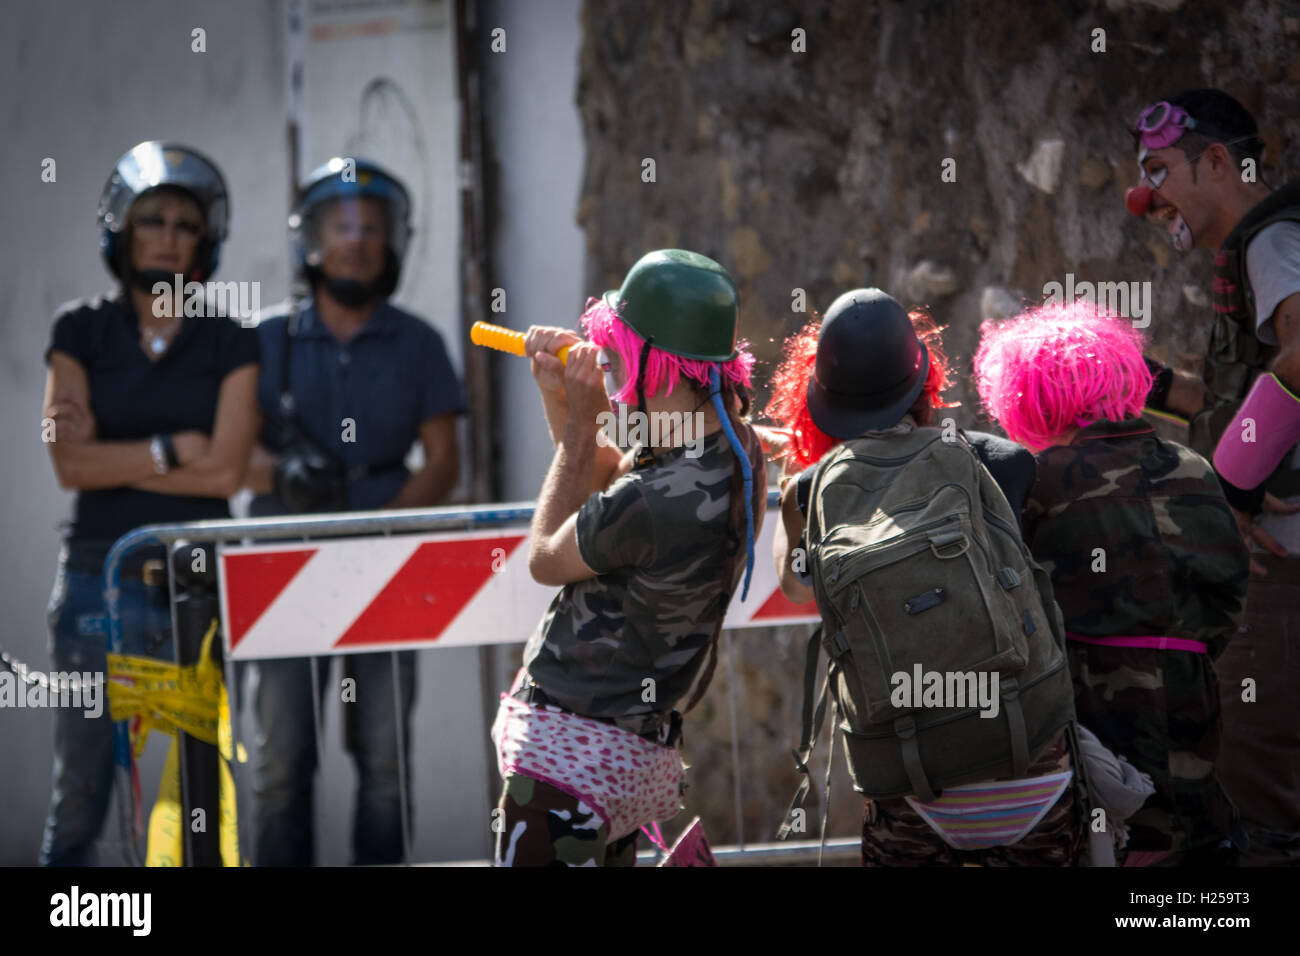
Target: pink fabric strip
656, 837
1159, 643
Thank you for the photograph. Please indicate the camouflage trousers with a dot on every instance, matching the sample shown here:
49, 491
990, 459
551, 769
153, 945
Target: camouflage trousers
893, 834
1260, 761
540, 825
1159, 709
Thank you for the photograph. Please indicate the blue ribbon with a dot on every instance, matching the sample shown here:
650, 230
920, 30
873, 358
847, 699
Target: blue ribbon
715, 394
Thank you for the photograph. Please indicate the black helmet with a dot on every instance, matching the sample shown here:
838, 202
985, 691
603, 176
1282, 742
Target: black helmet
152, 165
342, 178
870, 365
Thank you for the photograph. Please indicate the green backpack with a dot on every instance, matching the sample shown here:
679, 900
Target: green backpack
918, 567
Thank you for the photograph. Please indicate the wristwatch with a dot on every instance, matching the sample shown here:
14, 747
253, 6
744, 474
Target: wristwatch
169, 449
159, 455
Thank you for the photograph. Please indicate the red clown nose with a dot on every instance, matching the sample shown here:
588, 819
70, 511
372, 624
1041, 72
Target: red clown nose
1138, 200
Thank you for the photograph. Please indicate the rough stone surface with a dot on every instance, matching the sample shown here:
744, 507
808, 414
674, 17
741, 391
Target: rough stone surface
1093, 173
998, 303
928, 281
1043, 168
821, 170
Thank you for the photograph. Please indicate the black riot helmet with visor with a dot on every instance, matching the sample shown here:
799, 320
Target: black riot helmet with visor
349, 178
152, 166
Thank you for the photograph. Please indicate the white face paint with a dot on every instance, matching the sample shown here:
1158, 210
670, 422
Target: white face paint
611, 383
1180, 234
611, 386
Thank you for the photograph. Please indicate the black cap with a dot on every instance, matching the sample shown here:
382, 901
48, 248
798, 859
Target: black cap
870, 365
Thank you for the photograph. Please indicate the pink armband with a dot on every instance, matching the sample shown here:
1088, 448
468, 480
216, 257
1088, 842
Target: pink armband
1266, 427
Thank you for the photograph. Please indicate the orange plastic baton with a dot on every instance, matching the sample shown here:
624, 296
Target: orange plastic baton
503, 340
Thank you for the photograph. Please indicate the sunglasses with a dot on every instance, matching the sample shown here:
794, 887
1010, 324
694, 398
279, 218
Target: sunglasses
154, 224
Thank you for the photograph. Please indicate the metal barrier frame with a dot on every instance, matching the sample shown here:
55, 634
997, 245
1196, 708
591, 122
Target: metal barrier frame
386, 523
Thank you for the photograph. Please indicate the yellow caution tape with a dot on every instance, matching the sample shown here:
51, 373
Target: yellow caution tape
175, 699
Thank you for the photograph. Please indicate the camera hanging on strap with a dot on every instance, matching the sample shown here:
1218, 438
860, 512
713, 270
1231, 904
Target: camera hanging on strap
306, 477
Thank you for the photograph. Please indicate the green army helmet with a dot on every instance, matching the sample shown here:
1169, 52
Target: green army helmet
682, 302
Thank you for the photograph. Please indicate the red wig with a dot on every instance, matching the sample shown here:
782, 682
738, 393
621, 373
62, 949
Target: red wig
789, 404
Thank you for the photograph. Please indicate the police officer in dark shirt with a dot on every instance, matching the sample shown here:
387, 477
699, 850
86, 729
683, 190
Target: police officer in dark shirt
151, 415
349, 382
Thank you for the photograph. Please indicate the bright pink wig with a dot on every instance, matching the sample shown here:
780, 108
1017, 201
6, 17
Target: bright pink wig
607, 331
1059, 367
789, 403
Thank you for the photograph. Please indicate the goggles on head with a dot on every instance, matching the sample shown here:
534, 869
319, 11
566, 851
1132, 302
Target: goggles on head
1162, 124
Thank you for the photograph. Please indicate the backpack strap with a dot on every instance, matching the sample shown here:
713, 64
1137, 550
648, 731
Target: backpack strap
826, 787
1103, 855
905, 731
1016, 725
813, 716
1082, 786
812, 521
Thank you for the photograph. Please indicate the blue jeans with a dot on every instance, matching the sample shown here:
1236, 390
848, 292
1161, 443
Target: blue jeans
82, 779
286, 757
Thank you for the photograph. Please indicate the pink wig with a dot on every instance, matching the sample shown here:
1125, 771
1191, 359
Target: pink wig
606, 330
1059, 367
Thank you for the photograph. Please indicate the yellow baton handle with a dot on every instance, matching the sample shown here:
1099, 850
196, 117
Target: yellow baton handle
503, 340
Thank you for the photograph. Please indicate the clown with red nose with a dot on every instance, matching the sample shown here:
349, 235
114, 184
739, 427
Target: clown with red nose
1200, 156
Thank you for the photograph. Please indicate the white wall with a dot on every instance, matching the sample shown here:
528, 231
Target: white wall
535, 136
83, 81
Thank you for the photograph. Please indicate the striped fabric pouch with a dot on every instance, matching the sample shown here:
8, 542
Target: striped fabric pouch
977, 816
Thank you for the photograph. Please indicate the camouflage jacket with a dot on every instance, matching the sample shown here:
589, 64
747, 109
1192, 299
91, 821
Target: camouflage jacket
1137, 537
1140, 542
632, 642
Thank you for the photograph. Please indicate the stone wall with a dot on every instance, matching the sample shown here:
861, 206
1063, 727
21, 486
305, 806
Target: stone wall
821, 170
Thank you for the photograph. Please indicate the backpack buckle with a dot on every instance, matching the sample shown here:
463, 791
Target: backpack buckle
946, 539
836, 645
905, 727
1008, 578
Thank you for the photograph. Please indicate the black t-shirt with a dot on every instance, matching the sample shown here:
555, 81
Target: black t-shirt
133, 399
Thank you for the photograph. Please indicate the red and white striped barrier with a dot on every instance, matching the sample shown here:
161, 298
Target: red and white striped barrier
446, 589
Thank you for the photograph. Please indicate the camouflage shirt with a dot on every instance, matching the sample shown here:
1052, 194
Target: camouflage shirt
631, 642
1140, 542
